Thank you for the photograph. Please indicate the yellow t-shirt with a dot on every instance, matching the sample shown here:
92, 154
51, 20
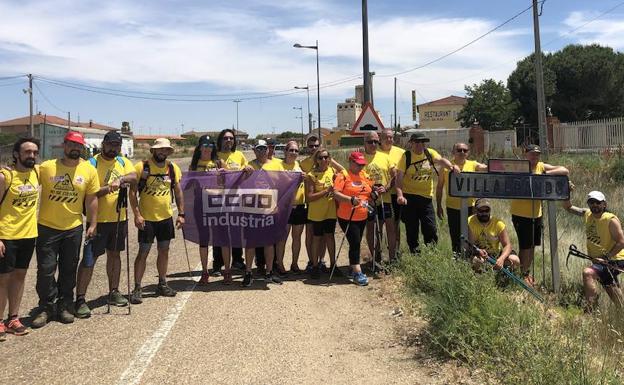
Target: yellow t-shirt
307, 164
299, 198
206, 165
454, 202
418, 176
63, 191
486, 236
232, 161
18, 212
325, 207
271, 165
528, 208
155, 199
395, 153
107, 171
599, 239
377, 169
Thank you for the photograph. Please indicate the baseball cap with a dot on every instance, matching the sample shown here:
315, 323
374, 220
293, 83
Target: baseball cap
483, 202
532, 148
418, 137
204, 140
112, 136
597, 195
261, 143
74, 136
358, 158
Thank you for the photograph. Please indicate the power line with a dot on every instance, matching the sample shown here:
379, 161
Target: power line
11, 84
47, 99
12, 77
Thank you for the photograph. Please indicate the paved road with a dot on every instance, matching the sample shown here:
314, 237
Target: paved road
300, 332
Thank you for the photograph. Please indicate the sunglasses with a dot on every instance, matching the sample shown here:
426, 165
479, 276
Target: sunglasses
207, 145
372, 142
483, 211
261, 149
293, 150
313, 145
323, 157
464, 150
228, 138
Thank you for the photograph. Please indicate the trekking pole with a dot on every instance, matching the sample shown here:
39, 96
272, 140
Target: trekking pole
122, 203
188, 261
341, 243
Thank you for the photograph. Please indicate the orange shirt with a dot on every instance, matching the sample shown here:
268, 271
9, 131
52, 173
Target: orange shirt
353, 185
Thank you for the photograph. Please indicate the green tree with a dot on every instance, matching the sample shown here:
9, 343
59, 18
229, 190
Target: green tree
489, 103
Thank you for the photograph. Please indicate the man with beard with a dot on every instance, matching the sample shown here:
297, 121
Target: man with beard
605, 243
67, 185
489, 234
19, 195
153, 214
114, 172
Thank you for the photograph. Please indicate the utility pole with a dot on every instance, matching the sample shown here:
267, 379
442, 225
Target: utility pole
30, 99
395, 106
366, 72
372, 100
541, 117
237, 101
68, 120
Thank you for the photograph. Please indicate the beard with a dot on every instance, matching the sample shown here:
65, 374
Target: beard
28, 162
73, 154
483, 218
111, 154
596, 209
160, 158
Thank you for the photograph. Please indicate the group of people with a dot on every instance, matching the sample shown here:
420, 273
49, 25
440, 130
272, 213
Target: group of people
42, 208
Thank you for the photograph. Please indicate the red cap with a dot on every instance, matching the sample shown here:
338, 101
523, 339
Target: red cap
73, 136
358, 158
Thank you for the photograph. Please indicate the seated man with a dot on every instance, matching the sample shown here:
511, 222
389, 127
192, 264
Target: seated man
488, 233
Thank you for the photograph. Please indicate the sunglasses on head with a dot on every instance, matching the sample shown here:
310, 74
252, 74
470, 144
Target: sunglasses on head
372, 141
464, 150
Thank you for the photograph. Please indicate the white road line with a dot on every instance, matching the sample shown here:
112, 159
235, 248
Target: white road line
134, 372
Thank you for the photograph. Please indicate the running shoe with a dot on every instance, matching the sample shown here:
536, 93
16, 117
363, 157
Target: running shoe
308, 268
248, 279
238, 265
65, 316
165, 290
316, 272
115, 298
294, 269
137, 296
2, 332
323, 267
42, 318
15, 327
82, 310
205, 278
227, 277
271, 278
360, 279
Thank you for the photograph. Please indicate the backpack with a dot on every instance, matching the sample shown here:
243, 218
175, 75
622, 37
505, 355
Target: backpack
10, 181
408, 160
93, 160
146, 174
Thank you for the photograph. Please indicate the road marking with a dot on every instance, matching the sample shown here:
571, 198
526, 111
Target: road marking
142, 360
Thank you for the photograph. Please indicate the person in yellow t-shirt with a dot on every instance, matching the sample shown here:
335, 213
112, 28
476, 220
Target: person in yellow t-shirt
526, 214
453, 205
114, 173
313, 146
298, 214
153, 214
19, 197
415, 190
386, 138
382, 172
205, 159
605, 243
233, 160
319, 193
68, 185
489, 234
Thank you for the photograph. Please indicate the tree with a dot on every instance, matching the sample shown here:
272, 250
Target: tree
581, 82
489, 103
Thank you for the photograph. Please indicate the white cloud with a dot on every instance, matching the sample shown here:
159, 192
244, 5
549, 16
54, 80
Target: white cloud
604, 31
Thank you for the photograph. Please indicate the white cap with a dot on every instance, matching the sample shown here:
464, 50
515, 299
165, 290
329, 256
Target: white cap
597, 195
261, 143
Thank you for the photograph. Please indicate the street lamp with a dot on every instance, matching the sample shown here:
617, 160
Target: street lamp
318, 85
307, 88
300, 117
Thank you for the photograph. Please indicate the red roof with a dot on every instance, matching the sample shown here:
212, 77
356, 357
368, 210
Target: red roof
154, 137
448, 101
51, 119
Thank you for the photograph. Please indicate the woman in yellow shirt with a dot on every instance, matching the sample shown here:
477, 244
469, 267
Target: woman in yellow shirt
319, 193
205, 159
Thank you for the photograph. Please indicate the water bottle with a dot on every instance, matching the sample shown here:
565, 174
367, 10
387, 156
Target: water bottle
371, 209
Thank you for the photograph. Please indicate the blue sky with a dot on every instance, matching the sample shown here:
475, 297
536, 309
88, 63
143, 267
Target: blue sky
224, 50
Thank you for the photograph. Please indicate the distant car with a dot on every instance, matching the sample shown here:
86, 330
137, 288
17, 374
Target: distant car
279, 151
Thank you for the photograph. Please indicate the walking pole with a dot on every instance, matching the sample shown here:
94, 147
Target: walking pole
118, 206
341, 243
188, 261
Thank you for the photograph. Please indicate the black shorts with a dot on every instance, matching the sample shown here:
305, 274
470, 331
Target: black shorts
396, 208
529, 231
607, 276
327, 226
17, 254
162, 230
105, 237
298, 215
382, 215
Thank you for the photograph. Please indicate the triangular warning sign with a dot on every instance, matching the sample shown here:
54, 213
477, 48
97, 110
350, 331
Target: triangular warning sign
65, 184
367, 121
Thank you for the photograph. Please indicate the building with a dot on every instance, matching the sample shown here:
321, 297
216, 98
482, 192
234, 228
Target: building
22, 125
441, 113
348, 112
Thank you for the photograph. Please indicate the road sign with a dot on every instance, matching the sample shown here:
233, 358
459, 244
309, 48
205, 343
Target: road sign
509, 186
368, 121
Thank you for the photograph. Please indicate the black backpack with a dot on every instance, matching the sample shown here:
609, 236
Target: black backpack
428, 158
146, 171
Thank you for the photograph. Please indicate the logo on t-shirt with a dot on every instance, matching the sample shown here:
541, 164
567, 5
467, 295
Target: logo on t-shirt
63, 190
63, 183
159, 186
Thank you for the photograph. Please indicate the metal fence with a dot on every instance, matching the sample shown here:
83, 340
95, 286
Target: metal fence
444, 139
588, 136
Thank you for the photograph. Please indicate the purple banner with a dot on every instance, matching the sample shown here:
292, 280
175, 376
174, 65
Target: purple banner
235, 209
